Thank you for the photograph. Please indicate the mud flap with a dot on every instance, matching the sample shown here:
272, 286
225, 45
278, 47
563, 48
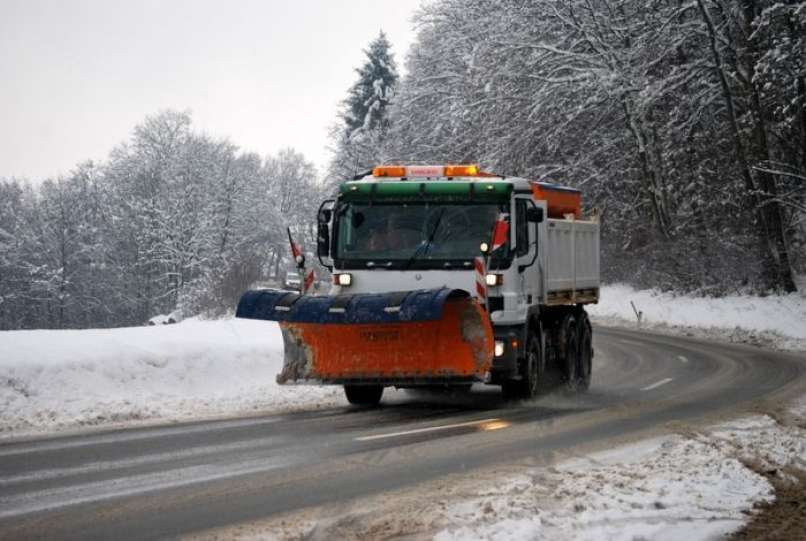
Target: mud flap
409, 337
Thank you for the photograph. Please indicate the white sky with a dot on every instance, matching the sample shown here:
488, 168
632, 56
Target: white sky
76, 76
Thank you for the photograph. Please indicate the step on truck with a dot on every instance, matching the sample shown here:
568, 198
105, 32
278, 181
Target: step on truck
443, 276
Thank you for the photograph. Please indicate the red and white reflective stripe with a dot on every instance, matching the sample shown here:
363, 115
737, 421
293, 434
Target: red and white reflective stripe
296, 251
308, 282
500, 232
481, 285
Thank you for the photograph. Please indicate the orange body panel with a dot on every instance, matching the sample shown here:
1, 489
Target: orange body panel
559, 201
460, 345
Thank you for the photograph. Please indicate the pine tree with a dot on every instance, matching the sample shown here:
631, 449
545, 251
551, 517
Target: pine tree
368, 99
360, 138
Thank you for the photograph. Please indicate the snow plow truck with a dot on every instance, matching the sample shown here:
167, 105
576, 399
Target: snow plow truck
443, 276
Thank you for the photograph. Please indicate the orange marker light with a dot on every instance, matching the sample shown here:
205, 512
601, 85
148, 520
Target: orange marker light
389, 171
461, 170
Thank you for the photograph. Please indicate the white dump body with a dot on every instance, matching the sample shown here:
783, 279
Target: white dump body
572, 261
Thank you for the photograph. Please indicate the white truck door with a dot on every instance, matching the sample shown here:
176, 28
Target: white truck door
526, 259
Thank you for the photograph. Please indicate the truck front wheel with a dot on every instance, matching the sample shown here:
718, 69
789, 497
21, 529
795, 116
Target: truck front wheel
570, 360
363, 395
533, 378
585, 353
532, 370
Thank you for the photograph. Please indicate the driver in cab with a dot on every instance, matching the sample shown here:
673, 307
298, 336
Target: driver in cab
391, 235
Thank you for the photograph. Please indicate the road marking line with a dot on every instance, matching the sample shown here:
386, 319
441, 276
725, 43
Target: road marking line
657, 384
428, 429
97, 491
146, 459
682, 359
122, 436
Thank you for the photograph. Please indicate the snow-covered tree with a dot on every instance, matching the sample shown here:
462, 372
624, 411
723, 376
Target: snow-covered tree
368, 100
360, 136
174, 219
667, 114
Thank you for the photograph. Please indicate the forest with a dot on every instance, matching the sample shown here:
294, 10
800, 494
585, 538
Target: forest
683, 123
173, 220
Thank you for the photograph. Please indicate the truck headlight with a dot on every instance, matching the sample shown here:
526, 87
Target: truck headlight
343, 279
499, 348
494, 279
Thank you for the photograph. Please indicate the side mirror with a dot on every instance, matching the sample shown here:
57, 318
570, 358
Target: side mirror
323, 240
534, 215
323, 218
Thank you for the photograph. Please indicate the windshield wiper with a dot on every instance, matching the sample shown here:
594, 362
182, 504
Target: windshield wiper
423, 248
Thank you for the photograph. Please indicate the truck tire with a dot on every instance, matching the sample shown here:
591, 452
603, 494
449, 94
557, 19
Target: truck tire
363, 395
570, 349
585, 341
532, 370
534, 367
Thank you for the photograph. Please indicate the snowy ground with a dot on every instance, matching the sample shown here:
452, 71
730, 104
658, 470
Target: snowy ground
697, 484
53, 380
56, 380
776, 321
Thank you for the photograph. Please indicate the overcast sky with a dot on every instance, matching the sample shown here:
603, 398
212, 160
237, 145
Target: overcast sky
77, 75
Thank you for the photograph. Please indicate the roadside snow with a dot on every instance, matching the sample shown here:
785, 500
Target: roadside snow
676, 487
776, 320
67, 379
761, 441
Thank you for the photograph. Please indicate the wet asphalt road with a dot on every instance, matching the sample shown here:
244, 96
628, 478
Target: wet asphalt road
167, 481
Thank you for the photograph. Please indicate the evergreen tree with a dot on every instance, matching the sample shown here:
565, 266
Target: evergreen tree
359, 142
368, 100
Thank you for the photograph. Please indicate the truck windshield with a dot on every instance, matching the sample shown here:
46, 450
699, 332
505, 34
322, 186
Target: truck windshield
415, 235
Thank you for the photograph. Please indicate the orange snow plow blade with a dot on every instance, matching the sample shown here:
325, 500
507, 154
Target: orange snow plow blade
429, 336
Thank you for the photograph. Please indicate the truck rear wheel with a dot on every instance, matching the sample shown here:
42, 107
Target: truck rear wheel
363, 395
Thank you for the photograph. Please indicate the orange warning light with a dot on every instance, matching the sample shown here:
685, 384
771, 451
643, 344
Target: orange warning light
389, 171
461, 170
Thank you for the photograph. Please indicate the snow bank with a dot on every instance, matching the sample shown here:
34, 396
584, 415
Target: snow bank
673, 487
670, 489
63, 379
780, 317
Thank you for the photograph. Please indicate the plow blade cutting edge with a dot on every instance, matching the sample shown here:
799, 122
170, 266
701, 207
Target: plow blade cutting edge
432, 336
